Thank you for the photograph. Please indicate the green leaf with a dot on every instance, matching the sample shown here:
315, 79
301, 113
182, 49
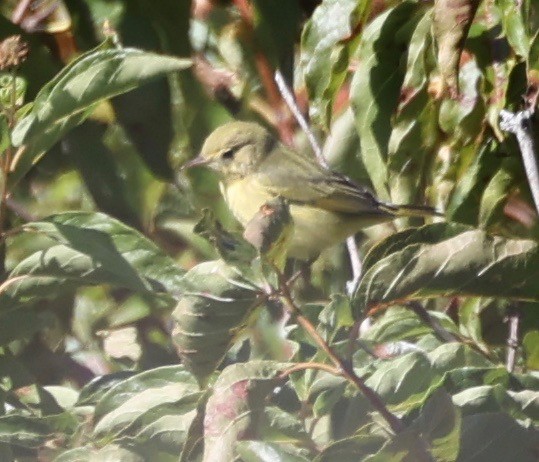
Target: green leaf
91, 248
452, 20
487, 398
463, 118
68, 99
213, 310
236, 407
275, 26
261, 451
31, 432
281, 426
496, 437
530, 343
528, 401
402, 447
439, 423
155, 407
376, 85
415, 131
464, 378
351, 449
326, 50
471, 263
403, 324
101, 172
424, 235
404, 382
514, 26
157, 378
108, 453
93, 391
453, 355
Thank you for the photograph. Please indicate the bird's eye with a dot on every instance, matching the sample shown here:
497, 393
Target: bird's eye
228, 154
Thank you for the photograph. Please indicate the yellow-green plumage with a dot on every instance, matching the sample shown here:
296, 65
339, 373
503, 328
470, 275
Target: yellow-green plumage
326, 207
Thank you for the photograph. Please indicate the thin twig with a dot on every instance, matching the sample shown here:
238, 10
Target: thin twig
355, 263
344, 369
512, 340
424, 315
309, 365
520, 125
289, 98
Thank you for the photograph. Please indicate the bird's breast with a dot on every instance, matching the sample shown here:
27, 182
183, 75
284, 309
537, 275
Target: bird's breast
314, 229
244, 197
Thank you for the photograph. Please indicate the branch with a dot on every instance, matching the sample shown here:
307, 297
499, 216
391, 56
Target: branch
345, 370
520, 125
290, 100
512, 340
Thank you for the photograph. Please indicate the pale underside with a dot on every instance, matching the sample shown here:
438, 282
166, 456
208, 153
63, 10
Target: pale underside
315, 228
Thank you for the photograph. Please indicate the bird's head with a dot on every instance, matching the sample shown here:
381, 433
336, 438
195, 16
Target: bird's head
235, 149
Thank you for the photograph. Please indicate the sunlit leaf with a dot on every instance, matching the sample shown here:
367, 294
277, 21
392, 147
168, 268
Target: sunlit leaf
236, 407
471, 263
90, 249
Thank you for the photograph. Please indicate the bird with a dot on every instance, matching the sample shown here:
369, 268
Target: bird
326, 206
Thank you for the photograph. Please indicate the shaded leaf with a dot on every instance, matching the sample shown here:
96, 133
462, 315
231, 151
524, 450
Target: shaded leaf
100, 171
68, 98
213, 310
275, 26
439, 423
496, 437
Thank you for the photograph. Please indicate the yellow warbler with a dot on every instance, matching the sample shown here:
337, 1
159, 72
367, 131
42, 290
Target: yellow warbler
326, 207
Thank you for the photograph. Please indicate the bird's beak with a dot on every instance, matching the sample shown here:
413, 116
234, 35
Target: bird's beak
196, 162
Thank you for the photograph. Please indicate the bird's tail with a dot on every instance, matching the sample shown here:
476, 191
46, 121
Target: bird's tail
410, 210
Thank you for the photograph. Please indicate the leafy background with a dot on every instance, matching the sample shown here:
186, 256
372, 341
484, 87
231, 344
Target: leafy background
134, 326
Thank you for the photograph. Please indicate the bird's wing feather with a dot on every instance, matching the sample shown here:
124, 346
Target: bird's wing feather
300, 179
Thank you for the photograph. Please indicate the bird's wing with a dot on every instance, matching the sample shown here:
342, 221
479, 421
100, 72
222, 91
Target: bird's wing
301, 180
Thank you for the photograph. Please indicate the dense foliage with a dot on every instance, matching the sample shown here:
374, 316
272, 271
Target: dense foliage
136, 321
